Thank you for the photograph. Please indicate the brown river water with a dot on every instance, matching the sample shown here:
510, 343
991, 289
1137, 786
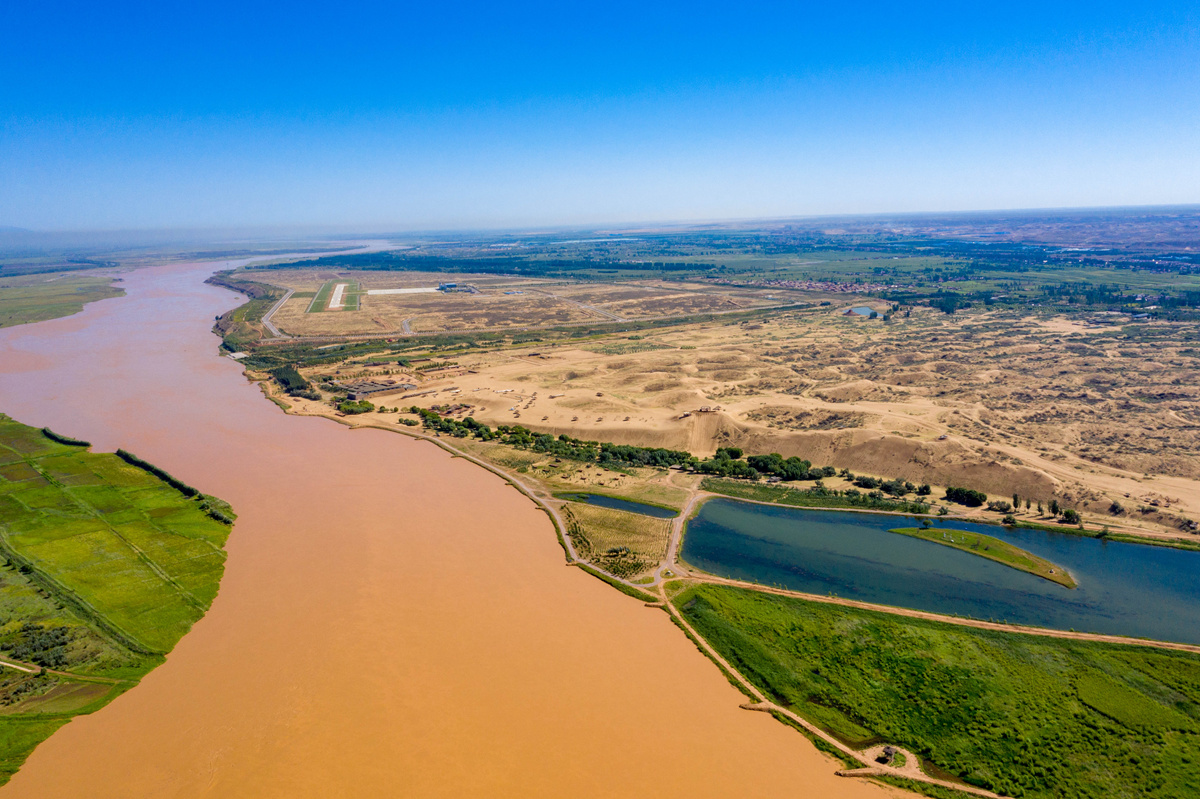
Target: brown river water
392, 622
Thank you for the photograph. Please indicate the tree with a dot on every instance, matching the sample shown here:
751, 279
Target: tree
1054, 507
1016, 503
966, 496
1070, 516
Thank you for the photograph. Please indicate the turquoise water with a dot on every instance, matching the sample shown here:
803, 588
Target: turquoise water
1124, 589
863, 310
623, 504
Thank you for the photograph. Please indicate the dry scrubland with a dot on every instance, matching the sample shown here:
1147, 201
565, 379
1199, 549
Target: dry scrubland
1033, 405
528, 303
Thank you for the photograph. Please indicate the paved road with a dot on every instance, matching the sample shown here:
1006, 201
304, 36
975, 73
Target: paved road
267, 317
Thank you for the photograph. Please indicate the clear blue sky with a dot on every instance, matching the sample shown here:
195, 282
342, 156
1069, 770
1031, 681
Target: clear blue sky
437, 115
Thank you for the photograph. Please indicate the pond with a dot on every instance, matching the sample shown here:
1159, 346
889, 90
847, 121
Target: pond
1124, 589
863, 310
622, 504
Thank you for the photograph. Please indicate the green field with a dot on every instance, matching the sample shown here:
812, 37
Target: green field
1020, 715
36, 298
103, 568
985, 546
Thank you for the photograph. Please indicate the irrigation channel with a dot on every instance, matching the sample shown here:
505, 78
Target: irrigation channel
1125, 589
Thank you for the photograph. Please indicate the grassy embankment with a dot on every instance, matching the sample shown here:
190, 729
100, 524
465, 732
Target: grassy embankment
104, 565
985, 546
243, 326
1017, 714
36, 298
807, 498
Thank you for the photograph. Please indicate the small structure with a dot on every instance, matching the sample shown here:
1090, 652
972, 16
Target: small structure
886, 756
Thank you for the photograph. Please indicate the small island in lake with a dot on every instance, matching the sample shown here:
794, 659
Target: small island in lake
993, 549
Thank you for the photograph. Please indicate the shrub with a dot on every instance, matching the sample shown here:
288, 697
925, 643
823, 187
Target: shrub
293, 383
966, 496
61, 439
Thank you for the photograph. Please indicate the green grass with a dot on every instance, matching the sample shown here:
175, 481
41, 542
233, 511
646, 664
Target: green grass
36, 298
321, 298
1017, 714
104, 566
803, 498
985, 546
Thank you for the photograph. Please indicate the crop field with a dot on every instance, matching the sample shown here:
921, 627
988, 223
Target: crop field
105, 567
627, 545
36, 298
1019, 715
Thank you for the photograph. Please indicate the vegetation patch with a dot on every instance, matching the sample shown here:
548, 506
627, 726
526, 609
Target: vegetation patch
1008, 712
626, 545
986, 546
815, 497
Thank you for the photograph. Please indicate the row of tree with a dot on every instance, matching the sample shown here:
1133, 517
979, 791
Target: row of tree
727, 462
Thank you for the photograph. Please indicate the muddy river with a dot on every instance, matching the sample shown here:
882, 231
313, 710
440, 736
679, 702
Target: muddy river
392, 622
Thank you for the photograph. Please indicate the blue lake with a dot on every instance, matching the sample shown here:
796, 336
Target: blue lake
623, 504
1124, 589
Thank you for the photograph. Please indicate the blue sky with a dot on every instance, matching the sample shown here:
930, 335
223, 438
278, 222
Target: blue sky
396, 116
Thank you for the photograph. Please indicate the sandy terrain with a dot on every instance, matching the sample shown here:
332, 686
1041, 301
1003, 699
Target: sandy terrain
1002, 404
